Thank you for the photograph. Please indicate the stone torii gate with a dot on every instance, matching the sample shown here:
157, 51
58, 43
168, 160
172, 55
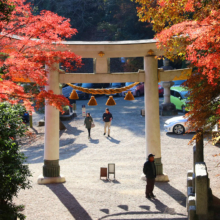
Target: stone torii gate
101, 52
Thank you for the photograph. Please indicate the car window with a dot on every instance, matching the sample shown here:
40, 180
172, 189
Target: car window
184, 94
87, 85
98, 85
172, 92
178, 82
177, 94
117, 84
104, 85
128, 83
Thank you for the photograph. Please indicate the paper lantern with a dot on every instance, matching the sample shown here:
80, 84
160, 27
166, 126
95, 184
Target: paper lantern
74, 95
110, 101
129, 96
92, 101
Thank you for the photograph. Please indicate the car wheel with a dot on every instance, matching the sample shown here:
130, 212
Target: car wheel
184, 109
178, 129
138, 93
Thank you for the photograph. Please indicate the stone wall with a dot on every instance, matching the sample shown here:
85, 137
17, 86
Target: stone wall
198, 190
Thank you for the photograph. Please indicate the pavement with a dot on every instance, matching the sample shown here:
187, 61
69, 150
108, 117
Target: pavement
85, 196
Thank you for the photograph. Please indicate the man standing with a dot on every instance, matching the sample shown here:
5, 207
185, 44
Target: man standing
150, 172
107, 118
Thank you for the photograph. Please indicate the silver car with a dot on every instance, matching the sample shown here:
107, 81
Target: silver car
176, 125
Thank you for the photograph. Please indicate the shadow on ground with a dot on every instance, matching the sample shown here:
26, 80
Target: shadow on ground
70, 130
110, 181
186, 136
173, 192
69, 201
162, 208
36, 154
216, 207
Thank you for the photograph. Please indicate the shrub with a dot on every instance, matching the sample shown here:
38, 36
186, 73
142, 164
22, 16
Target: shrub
14, 173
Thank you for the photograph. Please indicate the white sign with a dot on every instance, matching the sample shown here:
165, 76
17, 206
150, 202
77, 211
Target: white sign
83, 110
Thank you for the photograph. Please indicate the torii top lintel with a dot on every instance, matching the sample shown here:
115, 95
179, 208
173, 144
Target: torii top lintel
111, 49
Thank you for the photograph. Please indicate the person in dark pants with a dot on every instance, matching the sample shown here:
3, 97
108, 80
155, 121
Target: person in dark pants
107, 118
88, 123
150, 171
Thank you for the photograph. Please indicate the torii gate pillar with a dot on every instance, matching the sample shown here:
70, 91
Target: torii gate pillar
51, 168
152, 121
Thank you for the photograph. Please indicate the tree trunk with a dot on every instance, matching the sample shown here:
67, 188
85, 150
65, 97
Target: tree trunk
199, 146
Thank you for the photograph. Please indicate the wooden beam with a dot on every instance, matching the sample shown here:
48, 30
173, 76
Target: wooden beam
168, 75
102, 78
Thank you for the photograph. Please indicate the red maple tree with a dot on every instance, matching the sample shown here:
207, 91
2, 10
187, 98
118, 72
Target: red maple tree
190, 30
28, 43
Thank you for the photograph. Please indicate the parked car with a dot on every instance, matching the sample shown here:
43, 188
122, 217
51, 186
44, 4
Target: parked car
115, 86
176, 125
178, 96
178, 82
160, 90
137, 90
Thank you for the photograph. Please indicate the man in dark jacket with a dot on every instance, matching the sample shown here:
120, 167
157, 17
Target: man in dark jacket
150, 172
107, 118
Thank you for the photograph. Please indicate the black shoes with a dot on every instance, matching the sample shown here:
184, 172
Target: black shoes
108, 135
150, 196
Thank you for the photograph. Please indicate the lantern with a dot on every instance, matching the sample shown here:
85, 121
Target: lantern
129, 96
92, 101
110, 101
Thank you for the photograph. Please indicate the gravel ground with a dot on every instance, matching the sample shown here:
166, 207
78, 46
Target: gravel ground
84, 196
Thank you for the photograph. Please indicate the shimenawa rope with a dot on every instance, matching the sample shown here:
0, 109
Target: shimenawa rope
103, 91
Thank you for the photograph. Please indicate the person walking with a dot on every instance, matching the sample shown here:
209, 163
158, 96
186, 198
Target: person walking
107, 118
88, 123
149, 170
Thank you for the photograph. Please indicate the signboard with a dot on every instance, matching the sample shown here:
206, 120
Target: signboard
83, 110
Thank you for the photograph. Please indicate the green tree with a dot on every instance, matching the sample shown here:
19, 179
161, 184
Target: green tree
14, 173
99, 19
5, 10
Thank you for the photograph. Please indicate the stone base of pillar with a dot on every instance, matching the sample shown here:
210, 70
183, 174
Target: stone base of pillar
159, 178
167, 109
162, 178
47, 180
67, 117
159, 166
51, 168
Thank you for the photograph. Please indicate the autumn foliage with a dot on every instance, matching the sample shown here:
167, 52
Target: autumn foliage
28, 43
190, 30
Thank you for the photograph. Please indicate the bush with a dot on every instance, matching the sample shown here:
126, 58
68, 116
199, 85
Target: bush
13, 173
66, 108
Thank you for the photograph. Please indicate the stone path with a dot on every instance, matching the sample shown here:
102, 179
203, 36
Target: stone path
84, 196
